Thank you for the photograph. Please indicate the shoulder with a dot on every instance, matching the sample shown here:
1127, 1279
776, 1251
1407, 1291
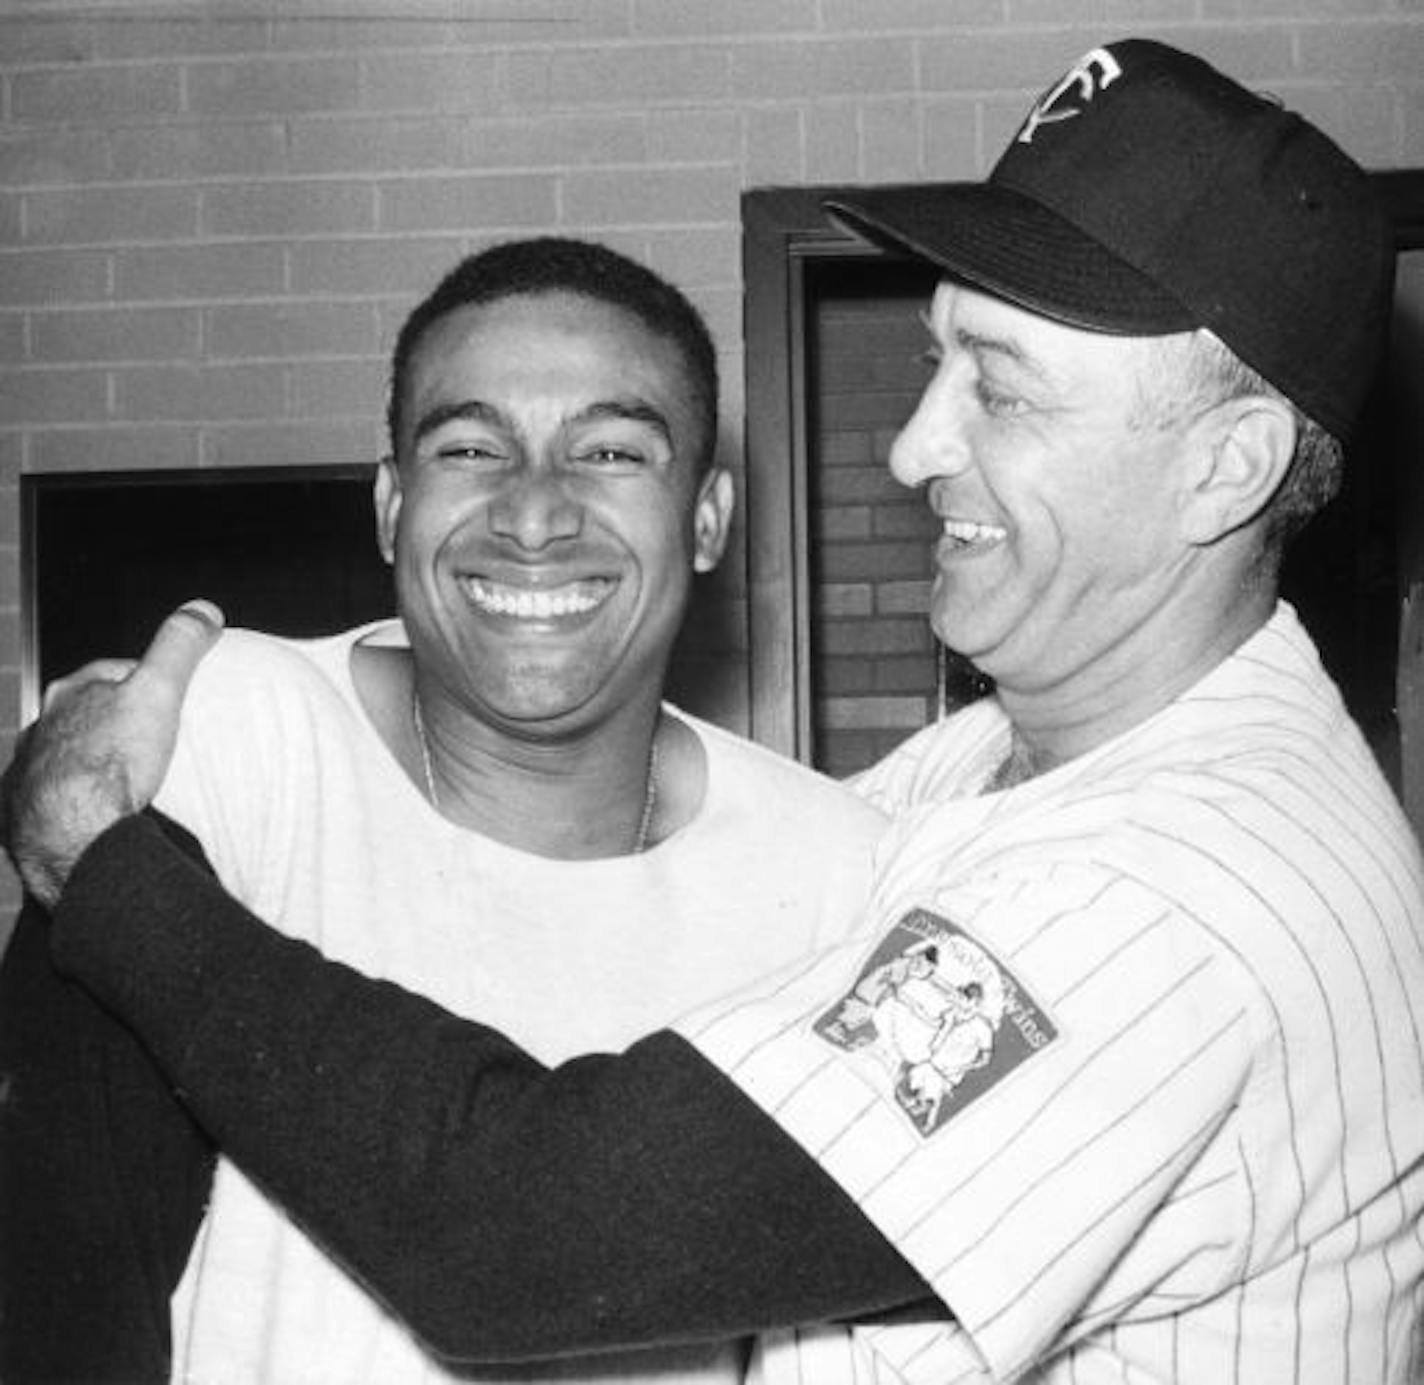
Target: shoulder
945, 760
247, 664
742, 769
261, 710
254, 688
1262, 759
242, 653
1266, 846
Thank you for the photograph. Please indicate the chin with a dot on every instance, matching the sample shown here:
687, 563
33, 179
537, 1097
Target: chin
526, 705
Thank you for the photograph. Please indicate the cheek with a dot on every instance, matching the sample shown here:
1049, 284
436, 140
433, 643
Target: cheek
1063, 544
654, 522
1115, 547
1099, 496
439, 505
1140, 517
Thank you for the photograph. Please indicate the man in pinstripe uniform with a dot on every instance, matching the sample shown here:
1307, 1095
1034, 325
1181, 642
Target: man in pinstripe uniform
1122, 1080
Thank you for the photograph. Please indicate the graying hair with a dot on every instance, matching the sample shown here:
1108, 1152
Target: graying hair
1189, 373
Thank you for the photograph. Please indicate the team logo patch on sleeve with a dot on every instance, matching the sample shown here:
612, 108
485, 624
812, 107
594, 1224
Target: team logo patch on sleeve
945, 1019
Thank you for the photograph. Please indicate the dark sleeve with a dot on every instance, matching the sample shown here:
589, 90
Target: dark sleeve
503, 1209
103, 1180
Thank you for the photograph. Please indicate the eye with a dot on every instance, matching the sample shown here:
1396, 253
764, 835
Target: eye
611, 456
479, 452
998, 403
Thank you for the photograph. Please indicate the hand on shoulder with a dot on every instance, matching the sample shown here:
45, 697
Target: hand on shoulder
99, 750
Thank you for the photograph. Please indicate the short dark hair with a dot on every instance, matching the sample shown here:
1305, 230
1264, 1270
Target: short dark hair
551, 264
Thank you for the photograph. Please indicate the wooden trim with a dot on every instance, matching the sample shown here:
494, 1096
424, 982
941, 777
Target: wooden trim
781, 227
1403, 191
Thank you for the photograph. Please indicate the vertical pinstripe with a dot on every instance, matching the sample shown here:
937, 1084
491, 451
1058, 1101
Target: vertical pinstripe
1215, 1172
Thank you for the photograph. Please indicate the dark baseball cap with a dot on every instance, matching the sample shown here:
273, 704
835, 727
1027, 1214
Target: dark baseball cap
1145, 194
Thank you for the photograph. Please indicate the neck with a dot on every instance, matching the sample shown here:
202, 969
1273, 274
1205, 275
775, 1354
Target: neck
579, 795
574, 798
1057, 722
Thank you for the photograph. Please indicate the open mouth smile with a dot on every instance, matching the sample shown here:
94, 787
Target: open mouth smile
537, 603
968, 535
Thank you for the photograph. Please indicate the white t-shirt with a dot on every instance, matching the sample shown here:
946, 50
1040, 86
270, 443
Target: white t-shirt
309, 821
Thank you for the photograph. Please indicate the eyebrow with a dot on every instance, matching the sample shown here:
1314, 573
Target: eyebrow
467, 410
633, 410
1005, 348
983, 344
477, 411
987, 348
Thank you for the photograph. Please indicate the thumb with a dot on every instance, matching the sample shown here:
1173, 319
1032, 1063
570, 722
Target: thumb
182, 640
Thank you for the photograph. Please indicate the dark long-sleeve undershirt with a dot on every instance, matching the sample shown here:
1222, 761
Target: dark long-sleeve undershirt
103, 1181
503, 1209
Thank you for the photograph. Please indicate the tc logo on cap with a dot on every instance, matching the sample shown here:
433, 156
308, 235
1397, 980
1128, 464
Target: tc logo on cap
1067, 98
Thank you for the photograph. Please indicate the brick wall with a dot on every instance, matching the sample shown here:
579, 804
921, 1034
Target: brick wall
213, 216
877, 674
873, 665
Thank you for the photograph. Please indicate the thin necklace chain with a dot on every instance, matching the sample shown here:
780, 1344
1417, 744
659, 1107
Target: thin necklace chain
650, 798
650, 787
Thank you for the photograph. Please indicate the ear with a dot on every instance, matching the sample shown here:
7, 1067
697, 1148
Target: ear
387, 497
712, 518
1245, 448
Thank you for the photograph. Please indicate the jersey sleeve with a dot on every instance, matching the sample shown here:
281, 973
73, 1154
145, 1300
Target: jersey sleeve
1010, 1083
505, 1210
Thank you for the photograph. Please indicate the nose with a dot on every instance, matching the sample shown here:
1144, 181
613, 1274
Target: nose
535, 509
932, 443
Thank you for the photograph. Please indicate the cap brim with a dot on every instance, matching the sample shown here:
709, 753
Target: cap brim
998, 240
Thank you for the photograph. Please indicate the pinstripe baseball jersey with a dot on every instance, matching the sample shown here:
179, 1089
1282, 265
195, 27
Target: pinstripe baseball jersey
1127, 1062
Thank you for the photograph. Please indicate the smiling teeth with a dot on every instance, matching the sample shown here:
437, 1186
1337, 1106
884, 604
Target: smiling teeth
523, 604
968, 531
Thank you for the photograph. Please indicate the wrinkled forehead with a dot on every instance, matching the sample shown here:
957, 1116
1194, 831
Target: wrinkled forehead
958, 312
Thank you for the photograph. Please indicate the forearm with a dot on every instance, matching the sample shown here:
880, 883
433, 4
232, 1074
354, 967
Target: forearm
503, 1209
103, 1181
